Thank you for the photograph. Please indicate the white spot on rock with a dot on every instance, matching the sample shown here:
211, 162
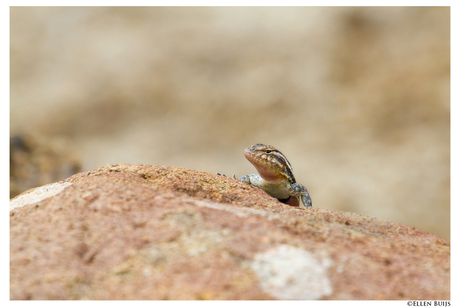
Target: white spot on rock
38, 194
286, 272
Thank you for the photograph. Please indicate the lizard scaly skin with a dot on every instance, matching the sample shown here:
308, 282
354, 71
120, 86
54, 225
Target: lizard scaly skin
275, 176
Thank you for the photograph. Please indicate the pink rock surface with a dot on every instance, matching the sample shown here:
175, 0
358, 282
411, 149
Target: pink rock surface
155, 232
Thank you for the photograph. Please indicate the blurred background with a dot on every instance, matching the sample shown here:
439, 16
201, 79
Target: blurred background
358, 99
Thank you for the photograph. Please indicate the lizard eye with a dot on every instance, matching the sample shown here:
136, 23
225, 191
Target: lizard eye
268, 151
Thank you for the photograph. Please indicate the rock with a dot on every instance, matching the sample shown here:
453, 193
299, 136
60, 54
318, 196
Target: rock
35, 161
156, 232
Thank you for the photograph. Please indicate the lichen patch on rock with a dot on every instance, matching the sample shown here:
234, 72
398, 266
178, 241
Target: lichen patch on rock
288, 272
38, 194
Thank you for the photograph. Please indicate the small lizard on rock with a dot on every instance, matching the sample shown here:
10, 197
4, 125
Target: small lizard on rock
275, 176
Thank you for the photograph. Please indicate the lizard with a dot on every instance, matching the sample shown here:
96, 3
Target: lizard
275, 176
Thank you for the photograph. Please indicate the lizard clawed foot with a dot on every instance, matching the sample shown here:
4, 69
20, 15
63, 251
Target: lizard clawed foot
226, 175
306, 200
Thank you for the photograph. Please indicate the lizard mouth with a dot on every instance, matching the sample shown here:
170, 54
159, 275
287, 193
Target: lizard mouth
247, 152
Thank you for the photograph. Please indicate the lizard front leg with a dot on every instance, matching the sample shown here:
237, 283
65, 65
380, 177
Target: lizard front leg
302, 195
252, 179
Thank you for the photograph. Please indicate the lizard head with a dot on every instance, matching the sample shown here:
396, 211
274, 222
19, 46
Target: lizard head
270, 163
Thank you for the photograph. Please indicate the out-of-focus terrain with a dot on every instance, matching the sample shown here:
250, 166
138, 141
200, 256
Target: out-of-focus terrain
356, 98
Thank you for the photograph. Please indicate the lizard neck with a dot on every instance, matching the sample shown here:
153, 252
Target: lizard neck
269, 174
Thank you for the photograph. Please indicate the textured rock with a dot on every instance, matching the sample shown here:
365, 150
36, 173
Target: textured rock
155, 232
